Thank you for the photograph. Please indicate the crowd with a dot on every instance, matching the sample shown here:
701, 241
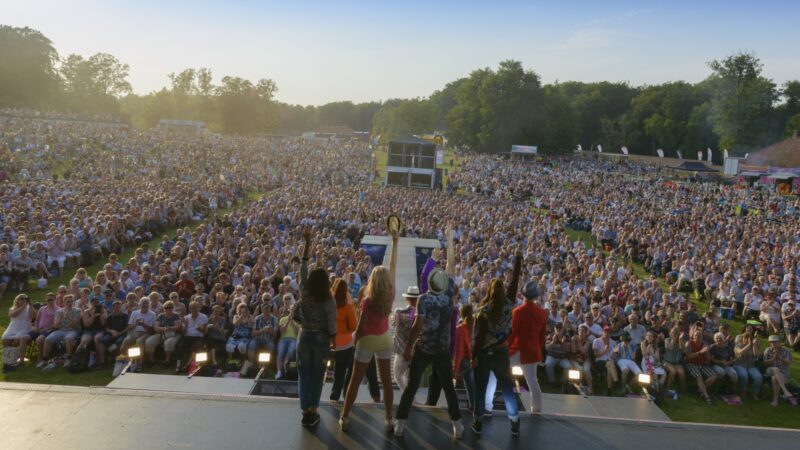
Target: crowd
285, 273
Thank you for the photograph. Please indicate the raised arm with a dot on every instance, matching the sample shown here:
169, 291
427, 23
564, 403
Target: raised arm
393, 259
511, 294
306, 232
450, 268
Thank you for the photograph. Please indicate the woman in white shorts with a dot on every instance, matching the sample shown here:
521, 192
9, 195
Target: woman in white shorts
372, 337
19, 329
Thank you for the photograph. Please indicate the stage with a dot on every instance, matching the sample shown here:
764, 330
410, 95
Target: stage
46, 417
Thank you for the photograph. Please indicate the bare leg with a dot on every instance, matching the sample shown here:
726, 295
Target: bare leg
359, 369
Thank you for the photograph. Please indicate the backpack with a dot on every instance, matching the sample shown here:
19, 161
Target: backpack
10, 358
79, 361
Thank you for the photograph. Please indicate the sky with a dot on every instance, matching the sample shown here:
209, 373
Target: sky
318, 52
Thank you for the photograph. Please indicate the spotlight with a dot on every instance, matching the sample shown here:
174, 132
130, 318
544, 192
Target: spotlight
263, 358
516, 371
574, 375
201, 357
134, 352
645, 379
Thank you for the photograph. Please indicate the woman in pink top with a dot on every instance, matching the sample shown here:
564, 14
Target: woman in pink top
372, 338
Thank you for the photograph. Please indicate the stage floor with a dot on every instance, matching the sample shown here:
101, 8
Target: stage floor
46, 417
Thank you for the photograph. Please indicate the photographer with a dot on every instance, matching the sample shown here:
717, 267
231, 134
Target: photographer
111, 340
747, 350
140, 325
94, 323
287, 344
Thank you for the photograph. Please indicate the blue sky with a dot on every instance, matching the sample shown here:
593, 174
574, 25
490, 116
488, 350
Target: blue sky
356, 50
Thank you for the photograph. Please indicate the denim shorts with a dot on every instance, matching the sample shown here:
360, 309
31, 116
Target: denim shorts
61, 336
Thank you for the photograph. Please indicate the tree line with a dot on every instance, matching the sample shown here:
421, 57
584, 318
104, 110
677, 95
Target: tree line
735, 107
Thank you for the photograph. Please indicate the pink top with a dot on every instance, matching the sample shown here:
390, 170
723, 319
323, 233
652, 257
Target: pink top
45, 318
373, 322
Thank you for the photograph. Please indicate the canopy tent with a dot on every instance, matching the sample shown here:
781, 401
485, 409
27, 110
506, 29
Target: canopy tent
694, 166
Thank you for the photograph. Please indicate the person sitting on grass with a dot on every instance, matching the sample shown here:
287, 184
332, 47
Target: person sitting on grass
111, 340
68, 323
697, 364
140, 326
625, 354
166, 329
791, 324
777, 359
723, 358
94, 323
22, 317
45, 324
747, 350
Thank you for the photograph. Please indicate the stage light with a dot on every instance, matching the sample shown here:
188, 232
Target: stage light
644, 378
516, 371
328, 364
134, 352
201, 357
263, 357
574, 375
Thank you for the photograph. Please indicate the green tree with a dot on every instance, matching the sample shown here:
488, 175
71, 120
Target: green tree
742, 102
245, 107
94, 84
28, 75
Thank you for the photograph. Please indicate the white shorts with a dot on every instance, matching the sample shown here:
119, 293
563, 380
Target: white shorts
380, 346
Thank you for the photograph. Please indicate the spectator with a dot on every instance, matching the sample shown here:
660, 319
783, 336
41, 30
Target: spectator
166, 332
697, 364
68, 323
22, 317
140, 326
747, 352
777, 359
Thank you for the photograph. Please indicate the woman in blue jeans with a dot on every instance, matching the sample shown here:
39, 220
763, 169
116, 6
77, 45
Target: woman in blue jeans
490, 352
747, 350
316, 313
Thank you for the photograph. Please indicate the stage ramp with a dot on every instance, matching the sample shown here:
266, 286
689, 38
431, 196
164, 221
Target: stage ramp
47, 417
406, 260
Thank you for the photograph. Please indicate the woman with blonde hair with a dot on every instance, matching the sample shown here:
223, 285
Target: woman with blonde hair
372, 337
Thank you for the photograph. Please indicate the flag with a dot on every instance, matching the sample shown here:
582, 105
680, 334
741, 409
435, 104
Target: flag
709, 154
725, 153
680, 156
599, 148
699, 155
660, 153
624, 150
579, 148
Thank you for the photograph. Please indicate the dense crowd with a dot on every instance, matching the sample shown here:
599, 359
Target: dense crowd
617, 257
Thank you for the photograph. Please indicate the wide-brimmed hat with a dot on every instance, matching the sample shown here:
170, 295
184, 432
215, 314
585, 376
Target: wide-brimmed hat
411, 292
531, 290
438, 281
774, 338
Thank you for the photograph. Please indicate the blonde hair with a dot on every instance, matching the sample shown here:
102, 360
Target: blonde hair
379, 289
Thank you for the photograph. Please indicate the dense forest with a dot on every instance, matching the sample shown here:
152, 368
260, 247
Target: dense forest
735, 107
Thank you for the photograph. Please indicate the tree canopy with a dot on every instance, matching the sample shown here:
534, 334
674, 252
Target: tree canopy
735, 107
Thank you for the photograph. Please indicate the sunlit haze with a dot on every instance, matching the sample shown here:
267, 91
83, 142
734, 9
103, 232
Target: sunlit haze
319, 52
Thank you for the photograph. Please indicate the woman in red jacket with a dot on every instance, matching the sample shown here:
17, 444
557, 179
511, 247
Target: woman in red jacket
462, 361
528, 327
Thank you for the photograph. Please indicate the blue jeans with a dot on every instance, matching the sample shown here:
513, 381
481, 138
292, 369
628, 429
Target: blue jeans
312, 349
468, 376
286, 349
753, 373
495, 360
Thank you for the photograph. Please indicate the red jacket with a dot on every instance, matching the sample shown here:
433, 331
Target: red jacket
528, 326
463, 347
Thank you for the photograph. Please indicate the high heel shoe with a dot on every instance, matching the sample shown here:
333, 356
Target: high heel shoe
389, 425
343, 421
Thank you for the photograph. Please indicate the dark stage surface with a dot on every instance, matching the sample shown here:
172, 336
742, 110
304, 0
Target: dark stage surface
48, 417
